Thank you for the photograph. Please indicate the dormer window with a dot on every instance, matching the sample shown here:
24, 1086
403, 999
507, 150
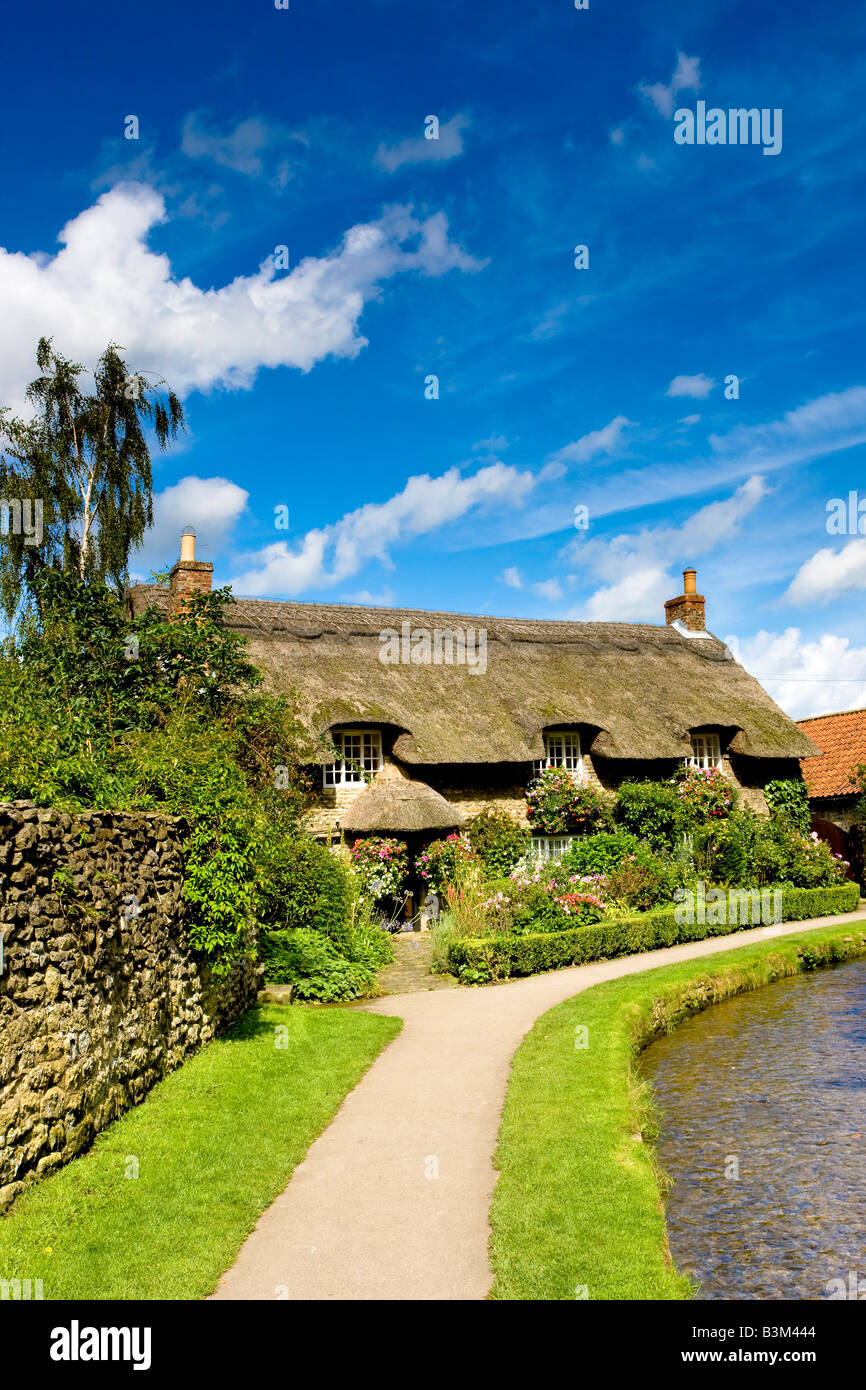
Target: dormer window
706, 751
561, 749
359, 757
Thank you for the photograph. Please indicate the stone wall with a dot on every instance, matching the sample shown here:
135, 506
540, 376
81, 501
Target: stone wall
100, 993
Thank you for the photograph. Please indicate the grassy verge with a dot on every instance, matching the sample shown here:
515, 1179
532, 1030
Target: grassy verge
579, 1201
214, 1144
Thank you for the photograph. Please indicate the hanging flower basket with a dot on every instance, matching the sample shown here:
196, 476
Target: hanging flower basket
558, 803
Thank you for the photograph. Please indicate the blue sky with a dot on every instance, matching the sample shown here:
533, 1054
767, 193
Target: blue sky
409, 258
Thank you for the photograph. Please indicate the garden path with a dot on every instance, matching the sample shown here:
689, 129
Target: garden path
410, 970
392, 1200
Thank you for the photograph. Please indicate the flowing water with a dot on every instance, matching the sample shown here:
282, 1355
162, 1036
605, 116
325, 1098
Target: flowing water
764, 1133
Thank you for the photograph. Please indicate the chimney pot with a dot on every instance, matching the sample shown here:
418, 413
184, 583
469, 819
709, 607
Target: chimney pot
187, 544
690, 607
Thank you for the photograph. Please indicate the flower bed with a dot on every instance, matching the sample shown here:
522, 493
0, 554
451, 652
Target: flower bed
498, 957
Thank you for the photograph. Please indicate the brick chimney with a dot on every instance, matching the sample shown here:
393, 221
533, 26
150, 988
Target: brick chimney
689, 608
188, 576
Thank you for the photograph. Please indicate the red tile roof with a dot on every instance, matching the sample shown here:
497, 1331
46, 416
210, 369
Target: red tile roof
842, 740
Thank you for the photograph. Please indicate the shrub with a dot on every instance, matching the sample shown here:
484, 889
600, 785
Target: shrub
497, 840
382, 864
810, 863
306, 887
788, 802
439, 863
642, 881
652, 811
601, 853
749, 850
311, 962
557, 804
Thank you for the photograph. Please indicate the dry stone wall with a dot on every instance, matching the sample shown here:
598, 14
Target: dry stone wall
100, 992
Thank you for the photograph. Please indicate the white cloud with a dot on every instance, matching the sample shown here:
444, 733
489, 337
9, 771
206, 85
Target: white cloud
830, 572
635, 566
685, 77
420, 150
211, 505
604, 441
329, 554
637, 598
106, 283
617, 136
511, 577
548, 588
805, 677
698, 386
689, 419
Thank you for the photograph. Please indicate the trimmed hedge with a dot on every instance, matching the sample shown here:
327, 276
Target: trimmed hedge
504, 956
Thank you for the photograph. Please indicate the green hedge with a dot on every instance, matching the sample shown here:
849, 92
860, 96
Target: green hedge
503, 956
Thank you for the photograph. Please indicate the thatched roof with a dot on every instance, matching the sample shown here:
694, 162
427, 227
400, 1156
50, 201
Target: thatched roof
639, 688
394, 804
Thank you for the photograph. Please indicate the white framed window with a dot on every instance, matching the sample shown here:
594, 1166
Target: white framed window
706, 751
550, 846
360, 757
561, 749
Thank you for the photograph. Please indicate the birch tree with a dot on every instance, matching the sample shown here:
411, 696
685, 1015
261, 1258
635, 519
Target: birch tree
82, 462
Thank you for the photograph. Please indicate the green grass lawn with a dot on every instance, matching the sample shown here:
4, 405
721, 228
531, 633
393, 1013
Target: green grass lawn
579, 1201
215, 1143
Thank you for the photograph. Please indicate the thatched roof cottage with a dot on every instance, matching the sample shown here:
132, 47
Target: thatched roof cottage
462, 709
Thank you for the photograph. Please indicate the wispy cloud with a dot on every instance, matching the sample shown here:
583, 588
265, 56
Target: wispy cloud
421, 150
242, 148
607, 440
330, 554
686, 76
636, 566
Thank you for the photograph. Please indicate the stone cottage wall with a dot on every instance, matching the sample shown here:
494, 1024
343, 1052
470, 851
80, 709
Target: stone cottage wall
100, 993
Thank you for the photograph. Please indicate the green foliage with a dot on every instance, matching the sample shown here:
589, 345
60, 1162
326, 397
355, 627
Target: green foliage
600, 854
750, 851
511, 955
311, 962
498, 840
788, 802
87, 459
306, 888
642, 881
651, 811
97, 710
328, 941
